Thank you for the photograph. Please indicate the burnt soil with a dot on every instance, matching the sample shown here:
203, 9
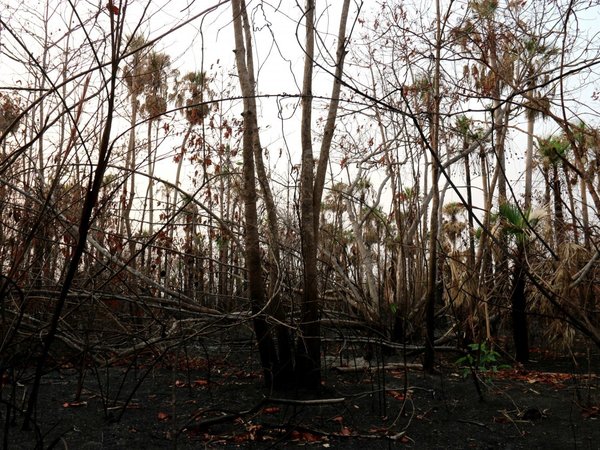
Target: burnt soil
215, 399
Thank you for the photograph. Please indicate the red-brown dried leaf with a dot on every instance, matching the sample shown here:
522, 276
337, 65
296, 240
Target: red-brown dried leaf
74, 404
310, 437
163, 416
271, 410
305, 436
557, 380
241, 438
346, 431
112, 8
397, 395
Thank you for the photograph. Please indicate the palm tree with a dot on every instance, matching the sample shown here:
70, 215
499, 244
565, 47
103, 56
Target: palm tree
535, 57
155, 89
191, 93
584, 138
552, 151
464, 127
518, 224
134, 81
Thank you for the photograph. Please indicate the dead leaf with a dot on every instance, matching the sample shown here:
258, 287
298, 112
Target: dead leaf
163, 416
112, 8
346, 431
271, 410
241, 438
304, 436
397, 395
74, 404
309, 437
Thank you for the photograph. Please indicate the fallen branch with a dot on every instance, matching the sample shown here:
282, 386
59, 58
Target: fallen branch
295, 402
231, 416
373, 367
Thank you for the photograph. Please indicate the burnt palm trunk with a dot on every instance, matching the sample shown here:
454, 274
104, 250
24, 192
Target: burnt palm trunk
518, 307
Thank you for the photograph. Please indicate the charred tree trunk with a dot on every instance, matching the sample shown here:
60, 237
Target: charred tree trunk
308, 363
518, 308
266, 346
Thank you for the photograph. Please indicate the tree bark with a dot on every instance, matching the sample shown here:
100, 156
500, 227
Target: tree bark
429, 357
283, 367
518, 307
256, 287
309, 346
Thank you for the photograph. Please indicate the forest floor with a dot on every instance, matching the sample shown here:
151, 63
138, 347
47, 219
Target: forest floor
195, 402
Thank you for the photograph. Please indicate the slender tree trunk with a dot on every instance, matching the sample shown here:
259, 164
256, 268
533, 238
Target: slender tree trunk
251, 236
311, 189
574, 219
283, 369
177, 197
585, 218
559, 217
471, 256
309, 345
529, 152
150, 191
366, 260
482, 258
432, 288
518, 307
130, 166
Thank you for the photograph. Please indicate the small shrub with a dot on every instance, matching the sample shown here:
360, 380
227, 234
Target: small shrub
480, 358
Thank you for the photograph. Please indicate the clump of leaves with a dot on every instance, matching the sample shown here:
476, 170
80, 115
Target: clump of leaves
480, 358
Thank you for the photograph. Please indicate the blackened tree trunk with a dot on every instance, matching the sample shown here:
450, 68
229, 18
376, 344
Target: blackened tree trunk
283, 365
518, 307
308, 361
306, 366
266, 346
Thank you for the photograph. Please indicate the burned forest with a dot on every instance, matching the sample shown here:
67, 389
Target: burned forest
348, 224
